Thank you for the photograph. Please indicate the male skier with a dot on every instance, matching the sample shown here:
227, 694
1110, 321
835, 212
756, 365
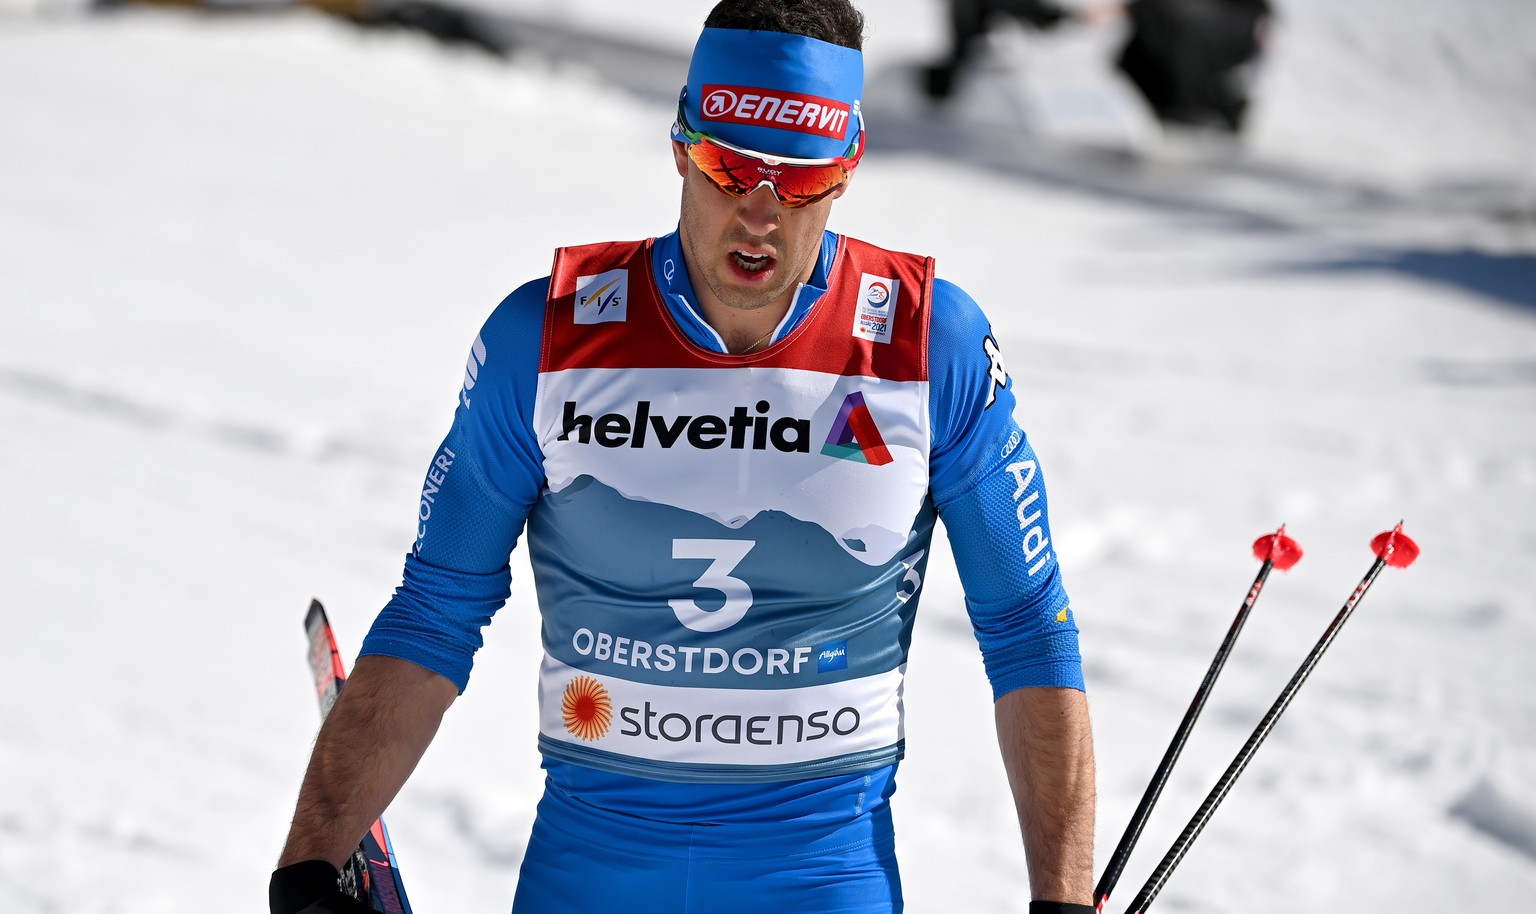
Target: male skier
728, 446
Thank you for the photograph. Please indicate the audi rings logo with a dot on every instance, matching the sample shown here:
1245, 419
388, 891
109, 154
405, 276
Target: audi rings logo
587, 709
879, 294
718, 103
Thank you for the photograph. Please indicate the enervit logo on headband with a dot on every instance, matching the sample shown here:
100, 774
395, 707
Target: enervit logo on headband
779, 94
753, 107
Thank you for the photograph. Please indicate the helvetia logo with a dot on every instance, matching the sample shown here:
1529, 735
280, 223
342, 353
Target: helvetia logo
587, 709
746, 428
854, 434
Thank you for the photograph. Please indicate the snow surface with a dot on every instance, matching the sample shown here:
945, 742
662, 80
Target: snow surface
241, 261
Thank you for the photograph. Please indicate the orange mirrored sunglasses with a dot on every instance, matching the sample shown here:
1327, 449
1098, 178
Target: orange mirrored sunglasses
795, 182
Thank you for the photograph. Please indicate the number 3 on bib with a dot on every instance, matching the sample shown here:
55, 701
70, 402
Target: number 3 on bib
723, 557
912, 577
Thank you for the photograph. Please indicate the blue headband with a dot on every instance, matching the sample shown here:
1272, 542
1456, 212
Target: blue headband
773, 92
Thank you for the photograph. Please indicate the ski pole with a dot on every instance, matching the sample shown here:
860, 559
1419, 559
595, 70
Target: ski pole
1392, 548
1275, 550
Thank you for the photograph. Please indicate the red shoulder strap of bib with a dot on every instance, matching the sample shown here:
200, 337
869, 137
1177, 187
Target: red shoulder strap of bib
600, 295
605, 311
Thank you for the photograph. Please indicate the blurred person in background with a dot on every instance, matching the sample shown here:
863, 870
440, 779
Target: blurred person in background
971, 20
729, 446
1192, 60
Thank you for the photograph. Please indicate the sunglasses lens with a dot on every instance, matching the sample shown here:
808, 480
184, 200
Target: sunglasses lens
739, 175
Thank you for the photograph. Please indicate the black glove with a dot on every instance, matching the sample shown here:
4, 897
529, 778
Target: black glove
311, 888
1046, 907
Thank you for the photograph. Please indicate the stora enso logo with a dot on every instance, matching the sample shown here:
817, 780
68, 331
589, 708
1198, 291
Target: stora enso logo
586, 708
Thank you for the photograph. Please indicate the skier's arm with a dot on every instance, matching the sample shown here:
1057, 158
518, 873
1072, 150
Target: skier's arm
478, 491
419, 651
1000, 533
990, 492
1047, 747
370, 743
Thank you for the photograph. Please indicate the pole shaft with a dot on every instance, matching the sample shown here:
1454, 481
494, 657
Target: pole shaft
1245, 755
1160, 776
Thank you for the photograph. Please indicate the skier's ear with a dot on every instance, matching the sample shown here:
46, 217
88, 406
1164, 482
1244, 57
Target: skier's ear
680, 158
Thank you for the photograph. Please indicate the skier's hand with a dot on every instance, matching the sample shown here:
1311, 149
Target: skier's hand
310, 888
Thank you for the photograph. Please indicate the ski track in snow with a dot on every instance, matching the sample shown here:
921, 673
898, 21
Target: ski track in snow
239, 284
109, 405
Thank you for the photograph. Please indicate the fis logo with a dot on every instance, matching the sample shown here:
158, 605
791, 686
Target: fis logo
833, 655
603, 298
587, 709
854, 435
874, 318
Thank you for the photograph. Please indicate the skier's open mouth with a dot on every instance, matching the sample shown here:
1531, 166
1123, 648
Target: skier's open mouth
751, 263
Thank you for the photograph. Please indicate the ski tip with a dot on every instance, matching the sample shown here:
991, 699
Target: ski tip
316, 614
1395, 548
1277, 549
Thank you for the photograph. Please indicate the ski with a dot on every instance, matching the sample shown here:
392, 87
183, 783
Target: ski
371, 875
1392, 548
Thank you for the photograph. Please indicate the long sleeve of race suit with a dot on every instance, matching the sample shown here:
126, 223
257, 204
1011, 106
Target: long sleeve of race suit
990, 494
478, 491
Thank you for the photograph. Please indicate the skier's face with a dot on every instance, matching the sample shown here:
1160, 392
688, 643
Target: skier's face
747, 252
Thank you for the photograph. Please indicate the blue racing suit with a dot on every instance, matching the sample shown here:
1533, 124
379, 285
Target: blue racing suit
728, 552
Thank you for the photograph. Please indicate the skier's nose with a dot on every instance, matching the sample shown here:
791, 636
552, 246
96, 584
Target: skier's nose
760, 211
